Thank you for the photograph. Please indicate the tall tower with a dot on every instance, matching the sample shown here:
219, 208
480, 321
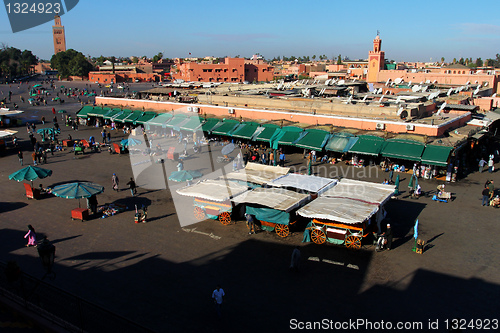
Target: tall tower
58, 33
376, 60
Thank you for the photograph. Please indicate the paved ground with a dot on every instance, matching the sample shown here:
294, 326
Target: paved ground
162, 275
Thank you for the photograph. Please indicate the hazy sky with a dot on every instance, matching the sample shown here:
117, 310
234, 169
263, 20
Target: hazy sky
410, 30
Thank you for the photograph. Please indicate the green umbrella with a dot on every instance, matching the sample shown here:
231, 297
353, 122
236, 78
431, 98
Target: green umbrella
30, 173
184, 175
77, 190
396, 186
37, 85
410, 184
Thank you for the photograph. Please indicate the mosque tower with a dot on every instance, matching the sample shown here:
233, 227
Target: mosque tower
59, 37
376, 60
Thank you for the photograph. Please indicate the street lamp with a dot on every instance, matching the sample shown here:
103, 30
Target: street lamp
47, 253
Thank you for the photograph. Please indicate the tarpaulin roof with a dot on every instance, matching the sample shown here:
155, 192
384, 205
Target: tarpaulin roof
122, 116
246, 130
112, 113
131, 118
177, 121
276, 198
98, 112
193, 124
267, 134
145, 117
226, 128
215, 190
258, 173
341, 142
84, 111
304, 182
368, 145
313, 139
403, 149
436, 155
160, 120
372, 193
288, 137
343, 210
209, 124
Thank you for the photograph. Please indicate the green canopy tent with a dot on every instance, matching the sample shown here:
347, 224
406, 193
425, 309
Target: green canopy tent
177, 121
403, 149
160, 120
314, 139
131, 118
341, 142
209, 124
267, 133
146, 116
287, 135
246, 130
83, 112
193, 124
368, 145
227, 126
436, 155
125, 113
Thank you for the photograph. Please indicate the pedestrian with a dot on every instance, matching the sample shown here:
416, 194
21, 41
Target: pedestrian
33, 155
295, 261
20, 156
115, 181
53, 111
218, 296
389, 236
180, 166
109, 136
132, 186
103, 133
491, 164
31, 235
92, 204
486, 196
271, 158
250, 223
482, 162
282, 159
313, 156
43, 120
263, 158
491, 188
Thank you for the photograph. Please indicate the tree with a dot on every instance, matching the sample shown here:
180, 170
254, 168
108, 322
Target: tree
442, 59
71, 62
313, 57
454, 60
157, 57
339, 60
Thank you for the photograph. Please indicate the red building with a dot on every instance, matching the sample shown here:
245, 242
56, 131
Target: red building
231, 70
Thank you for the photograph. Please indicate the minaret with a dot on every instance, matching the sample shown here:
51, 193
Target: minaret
376, 60
58, 33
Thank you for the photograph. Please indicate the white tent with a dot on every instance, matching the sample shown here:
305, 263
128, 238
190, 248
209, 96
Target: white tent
304, 182
275, 198
258, 173
215, 190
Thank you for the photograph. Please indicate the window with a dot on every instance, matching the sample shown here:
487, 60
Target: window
225, 70
234, 70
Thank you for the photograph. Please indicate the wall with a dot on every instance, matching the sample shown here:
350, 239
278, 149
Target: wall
459, 120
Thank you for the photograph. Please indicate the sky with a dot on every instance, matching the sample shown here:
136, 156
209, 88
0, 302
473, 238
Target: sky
410, 31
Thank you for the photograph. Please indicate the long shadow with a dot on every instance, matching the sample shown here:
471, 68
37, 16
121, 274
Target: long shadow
59, 240
100, 255
158, 217
9, 206
435, 237
402, 215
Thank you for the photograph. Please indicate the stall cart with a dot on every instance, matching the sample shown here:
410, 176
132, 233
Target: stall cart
346, 213
258, 174
212, 198
274, 208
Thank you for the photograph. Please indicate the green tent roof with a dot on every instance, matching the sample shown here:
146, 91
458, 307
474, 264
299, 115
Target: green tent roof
98, 112
289, 137
245, 131
368, 145
341, 142
133, 116
314, 139
112, 114
123, 115
84, 111
178, 120
226, 128
209, 124
193, 124
436, 155
160, 120
148, 115
403, 149
267, 134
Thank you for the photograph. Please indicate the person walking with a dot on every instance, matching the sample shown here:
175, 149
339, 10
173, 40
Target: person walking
486, 196
103, 134
132, 186
482, 163
491, 164
295, 261
20, 156
491, 189
271, 158
218, 296
250, 223
109, 136
31, 235
389, 236
115, 181
282, 159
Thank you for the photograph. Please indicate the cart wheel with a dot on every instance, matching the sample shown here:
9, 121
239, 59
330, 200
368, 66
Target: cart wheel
199, 213
353, 242
282, 230
225, 218
318, 236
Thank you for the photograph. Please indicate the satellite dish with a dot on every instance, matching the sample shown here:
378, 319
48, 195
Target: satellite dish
400, 110
398, 80
449, 91
409, 83
364, 98
476, 91
421, 82
485, 84
427, 81
435, 81
341, 82
442, 107
494, 95
432, 96
415, 88
327, 82
381, 98
424, 88
467, 83
398, 100
476, 82
387, 83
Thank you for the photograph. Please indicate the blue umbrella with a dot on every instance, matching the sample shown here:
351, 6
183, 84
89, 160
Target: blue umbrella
130, 142
77, 190
184, 175
30, 173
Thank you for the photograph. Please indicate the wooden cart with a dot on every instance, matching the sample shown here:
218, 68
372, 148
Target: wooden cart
350, 235
221, 211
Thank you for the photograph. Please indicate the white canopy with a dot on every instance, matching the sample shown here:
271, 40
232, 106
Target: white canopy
7, 133
7, 112
215, 190
373, 193
276, 198
304, 182
258, 173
